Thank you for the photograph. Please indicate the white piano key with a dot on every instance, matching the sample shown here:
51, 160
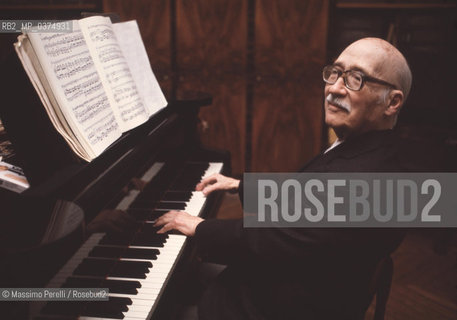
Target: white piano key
197, 201
214, 167
144, 302
195, 204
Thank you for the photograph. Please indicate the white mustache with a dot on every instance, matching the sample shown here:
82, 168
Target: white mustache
338, 102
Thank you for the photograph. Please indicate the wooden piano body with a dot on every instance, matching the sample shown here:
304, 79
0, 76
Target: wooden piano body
164, 150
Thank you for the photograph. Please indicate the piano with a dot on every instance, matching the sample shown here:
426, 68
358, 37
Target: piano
141, 268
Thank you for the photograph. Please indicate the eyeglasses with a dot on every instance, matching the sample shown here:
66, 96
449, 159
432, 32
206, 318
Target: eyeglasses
353, 79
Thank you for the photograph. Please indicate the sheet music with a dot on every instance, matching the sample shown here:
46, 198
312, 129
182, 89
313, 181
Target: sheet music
36, 75
129, 38
71, 73
119, 84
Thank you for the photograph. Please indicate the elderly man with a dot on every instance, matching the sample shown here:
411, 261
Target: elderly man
303, 273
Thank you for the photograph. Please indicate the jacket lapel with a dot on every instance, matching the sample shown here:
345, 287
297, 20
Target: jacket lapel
352, 148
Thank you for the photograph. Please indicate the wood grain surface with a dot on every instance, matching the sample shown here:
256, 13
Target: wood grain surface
290, 53
283, 95
211, 53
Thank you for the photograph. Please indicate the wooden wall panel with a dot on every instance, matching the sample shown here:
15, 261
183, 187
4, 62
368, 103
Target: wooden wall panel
153, 19
290, 52
211, 51
212, 39
223, 123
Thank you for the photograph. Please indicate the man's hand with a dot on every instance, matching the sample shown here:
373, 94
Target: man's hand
178, 220
217, 182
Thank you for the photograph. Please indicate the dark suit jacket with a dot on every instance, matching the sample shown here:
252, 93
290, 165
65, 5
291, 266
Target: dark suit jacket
305, 273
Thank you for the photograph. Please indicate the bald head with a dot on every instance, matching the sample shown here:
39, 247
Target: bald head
387, 62
376, 104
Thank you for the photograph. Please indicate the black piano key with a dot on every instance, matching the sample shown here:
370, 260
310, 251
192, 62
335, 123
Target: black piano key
115, 239
73, 282
119, 252
149, 195
136, 253
198, 168
162, 205
107, 309
168, 205
145, 240
131, 269
101, 314
190, 176
72, 309
51, 317
65, 308
146, 214
118, 286
122, 300
140, 214
114, 286
143, 204
177, 196
102, 267
149, 228
155, 214
112, 305
92, 267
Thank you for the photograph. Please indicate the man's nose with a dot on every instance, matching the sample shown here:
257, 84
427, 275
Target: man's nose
338, 87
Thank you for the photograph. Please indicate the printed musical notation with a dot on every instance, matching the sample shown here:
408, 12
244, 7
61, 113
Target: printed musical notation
101, 33
102, 129
121, 73
91, 108
125, 93
84, 86
60, 44
133, 110
68, 68
129, 38
72, 67
109, 58
110, 53
95, 93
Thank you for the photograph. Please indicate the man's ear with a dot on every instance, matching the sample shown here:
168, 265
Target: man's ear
395, 102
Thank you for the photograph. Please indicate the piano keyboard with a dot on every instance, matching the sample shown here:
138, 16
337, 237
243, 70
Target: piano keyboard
136, 266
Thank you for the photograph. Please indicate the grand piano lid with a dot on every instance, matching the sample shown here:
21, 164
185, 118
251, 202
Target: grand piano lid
33, 222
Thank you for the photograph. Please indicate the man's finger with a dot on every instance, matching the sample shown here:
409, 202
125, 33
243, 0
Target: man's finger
165, 218
167, 227
207, 181
207, 190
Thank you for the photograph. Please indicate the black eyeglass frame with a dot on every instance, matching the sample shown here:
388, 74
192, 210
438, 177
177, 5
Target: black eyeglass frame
360, 73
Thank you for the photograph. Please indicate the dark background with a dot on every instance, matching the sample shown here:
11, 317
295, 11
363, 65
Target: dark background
262, 60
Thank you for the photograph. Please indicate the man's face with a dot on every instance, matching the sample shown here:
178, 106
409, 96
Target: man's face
353, 112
